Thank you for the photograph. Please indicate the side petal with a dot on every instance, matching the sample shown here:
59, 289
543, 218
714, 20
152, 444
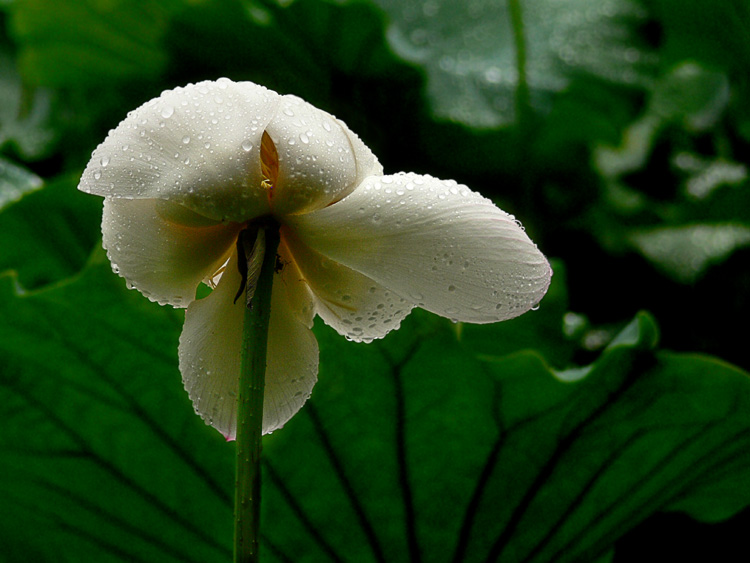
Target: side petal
320, 160
198, 146
210, 353
163, 259
353, 304
440, 245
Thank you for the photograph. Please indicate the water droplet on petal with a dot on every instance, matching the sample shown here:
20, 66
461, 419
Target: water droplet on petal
104, 160
167, 111
247, 146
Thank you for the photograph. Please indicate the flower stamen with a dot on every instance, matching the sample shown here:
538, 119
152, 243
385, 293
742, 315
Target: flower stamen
269, 163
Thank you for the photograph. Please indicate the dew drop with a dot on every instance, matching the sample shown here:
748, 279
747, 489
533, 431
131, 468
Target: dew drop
97, 175
247, 146
104, 161
167, 112
185, 140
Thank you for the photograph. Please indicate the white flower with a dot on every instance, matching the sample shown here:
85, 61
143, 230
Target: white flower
183, 174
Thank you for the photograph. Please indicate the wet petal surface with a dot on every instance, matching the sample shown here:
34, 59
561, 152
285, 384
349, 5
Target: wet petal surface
164, 260
210, 352
437, 243
320, 159
353, 304
198, 146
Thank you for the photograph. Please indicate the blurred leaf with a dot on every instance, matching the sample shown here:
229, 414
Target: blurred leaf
685, 252
15, 182
681, 231
689, 94
49, 234
718, 37
331, 53
24, 113
79, 43
467, 50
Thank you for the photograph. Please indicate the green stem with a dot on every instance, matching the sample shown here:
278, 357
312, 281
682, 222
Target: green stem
250, 405
523, 104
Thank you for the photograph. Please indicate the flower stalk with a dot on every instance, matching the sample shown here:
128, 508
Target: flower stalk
257, 315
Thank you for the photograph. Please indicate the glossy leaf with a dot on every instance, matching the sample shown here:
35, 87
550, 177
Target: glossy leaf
430, 452
411, 447
468, 51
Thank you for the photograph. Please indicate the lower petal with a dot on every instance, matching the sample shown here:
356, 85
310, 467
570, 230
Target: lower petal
164, 260
353, 304
211, 347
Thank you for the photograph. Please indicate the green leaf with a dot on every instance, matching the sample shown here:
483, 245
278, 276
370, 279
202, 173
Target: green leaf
718, 37
47, 235
686, 212
684, 253
467, 51
85, 42
15, 182
410, 446
101, 455
24, 113
689, 94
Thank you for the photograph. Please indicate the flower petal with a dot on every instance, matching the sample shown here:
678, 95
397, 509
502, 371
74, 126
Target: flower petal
320, 159
353, 304
436, 243
210, 352
161, 258
198, 146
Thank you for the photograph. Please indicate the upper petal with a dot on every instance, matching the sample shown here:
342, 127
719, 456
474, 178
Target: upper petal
211, 345
436, 243
198, 146
320, 159
160, 250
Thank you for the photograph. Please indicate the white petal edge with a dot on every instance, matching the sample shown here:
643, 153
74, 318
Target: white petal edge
436, 243
163, 260
354, 305
197, 145
210, 352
